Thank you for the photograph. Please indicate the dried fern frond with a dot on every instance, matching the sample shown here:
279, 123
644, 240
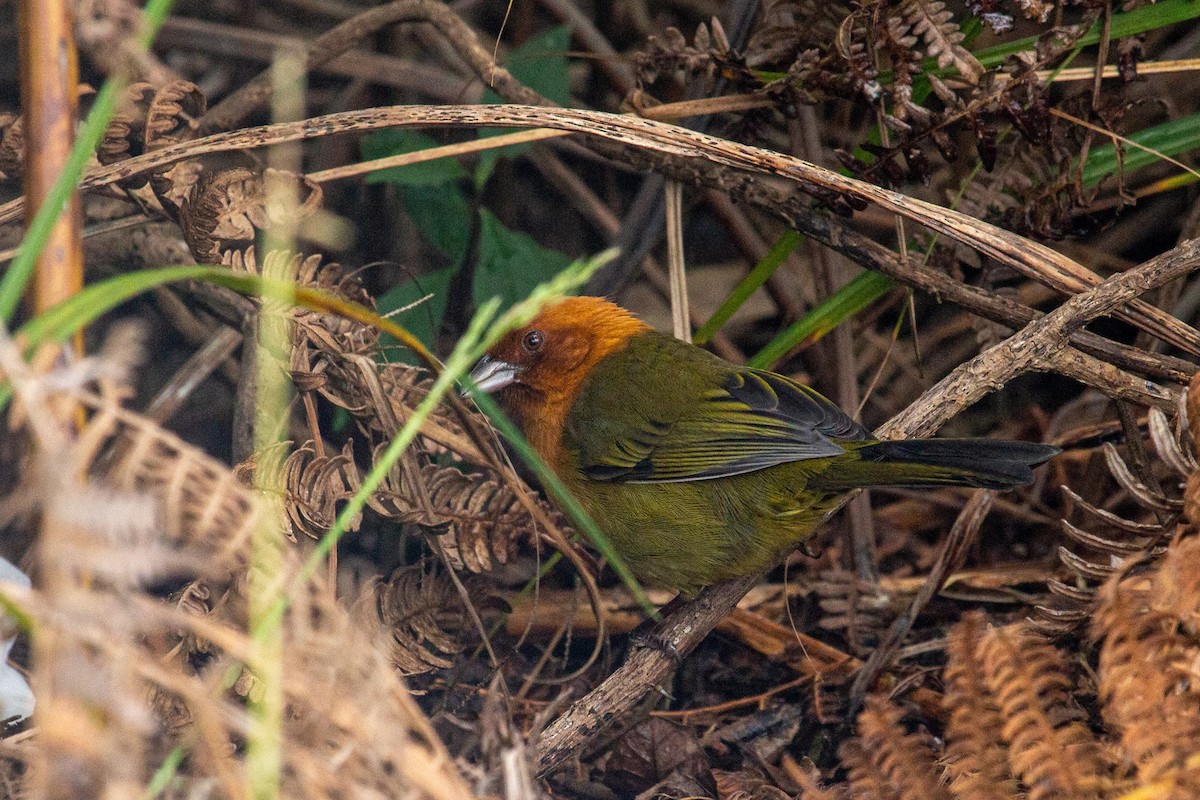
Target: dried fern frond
934, 24
229, 208
976, 758
202, 504
862, 777
309, 271
12, 139
1109, 541
813, 788
312, 485
389, 394
321, 342
848, 603
419, 613
1050, 750
480, 516
123, 483
150, 118
1150, 643
352, 729
904, 761
12, 147
788, 28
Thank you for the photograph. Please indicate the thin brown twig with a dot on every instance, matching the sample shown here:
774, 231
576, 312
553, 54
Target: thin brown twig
234, 108
688, 715
953, 552
233, 41
203, 362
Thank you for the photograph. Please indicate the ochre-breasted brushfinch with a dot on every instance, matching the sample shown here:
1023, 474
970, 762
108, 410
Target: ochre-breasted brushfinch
696, 469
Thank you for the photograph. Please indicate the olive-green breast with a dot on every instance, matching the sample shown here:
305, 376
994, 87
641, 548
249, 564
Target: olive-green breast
696, 469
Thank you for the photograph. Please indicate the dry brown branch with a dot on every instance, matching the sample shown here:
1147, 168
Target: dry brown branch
683, 152
988, 305
234, 108
1042, 346
982, 302
644, 672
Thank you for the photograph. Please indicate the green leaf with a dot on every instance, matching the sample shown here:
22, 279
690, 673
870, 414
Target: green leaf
443, 215
383, 144
422, 320
541, 64
1169, 138
845, 303
430, 191
510, 263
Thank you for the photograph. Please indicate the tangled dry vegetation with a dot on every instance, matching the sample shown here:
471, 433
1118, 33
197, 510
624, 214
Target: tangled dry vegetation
1039, 644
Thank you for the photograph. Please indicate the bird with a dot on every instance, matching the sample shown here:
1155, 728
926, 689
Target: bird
696, 469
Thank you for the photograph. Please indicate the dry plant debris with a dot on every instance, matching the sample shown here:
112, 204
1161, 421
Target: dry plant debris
441, 651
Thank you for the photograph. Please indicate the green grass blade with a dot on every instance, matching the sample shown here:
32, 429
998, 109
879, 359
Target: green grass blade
1169, 138
763, 270
16, 278
59, 323
845, 303
1129, 23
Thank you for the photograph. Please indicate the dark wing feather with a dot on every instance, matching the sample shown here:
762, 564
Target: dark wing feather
734, 421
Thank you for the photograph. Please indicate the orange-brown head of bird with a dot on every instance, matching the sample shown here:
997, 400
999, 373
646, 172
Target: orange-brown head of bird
536, 371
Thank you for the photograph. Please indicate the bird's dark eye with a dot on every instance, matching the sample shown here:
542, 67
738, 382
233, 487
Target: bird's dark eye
533, 341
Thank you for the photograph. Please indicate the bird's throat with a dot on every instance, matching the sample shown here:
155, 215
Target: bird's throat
539, 420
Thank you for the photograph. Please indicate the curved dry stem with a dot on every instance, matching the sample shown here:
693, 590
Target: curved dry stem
681, 154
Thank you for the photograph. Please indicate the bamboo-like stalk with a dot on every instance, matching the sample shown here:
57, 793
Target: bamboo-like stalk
49, 77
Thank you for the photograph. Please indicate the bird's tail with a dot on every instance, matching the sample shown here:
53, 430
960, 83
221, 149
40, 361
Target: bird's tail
915, 463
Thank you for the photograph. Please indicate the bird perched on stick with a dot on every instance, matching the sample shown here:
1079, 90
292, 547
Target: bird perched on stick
696, 469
